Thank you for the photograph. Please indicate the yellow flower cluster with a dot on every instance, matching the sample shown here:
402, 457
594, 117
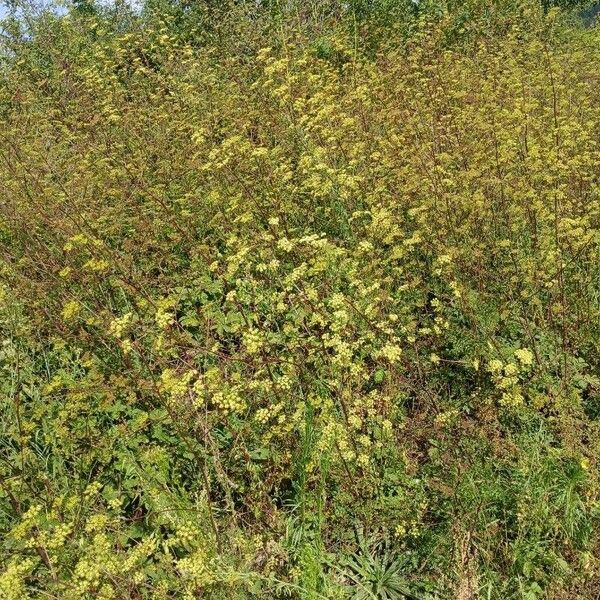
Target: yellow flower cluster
118, 325
507, 377
165, 315
13, 584
97, 265
177, 385
71, 309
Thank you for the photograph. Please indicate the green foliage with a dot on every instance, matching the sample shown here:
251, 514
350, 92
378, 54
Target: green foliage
376, 573
299, 300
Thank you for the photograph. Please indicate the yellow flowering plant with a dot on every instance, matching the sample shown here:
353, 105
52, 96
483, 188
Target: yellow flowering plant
299, 300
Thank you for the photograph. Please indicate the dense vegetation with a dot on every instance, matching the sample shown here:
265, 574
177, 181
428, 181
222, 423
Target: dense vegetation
300, 301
